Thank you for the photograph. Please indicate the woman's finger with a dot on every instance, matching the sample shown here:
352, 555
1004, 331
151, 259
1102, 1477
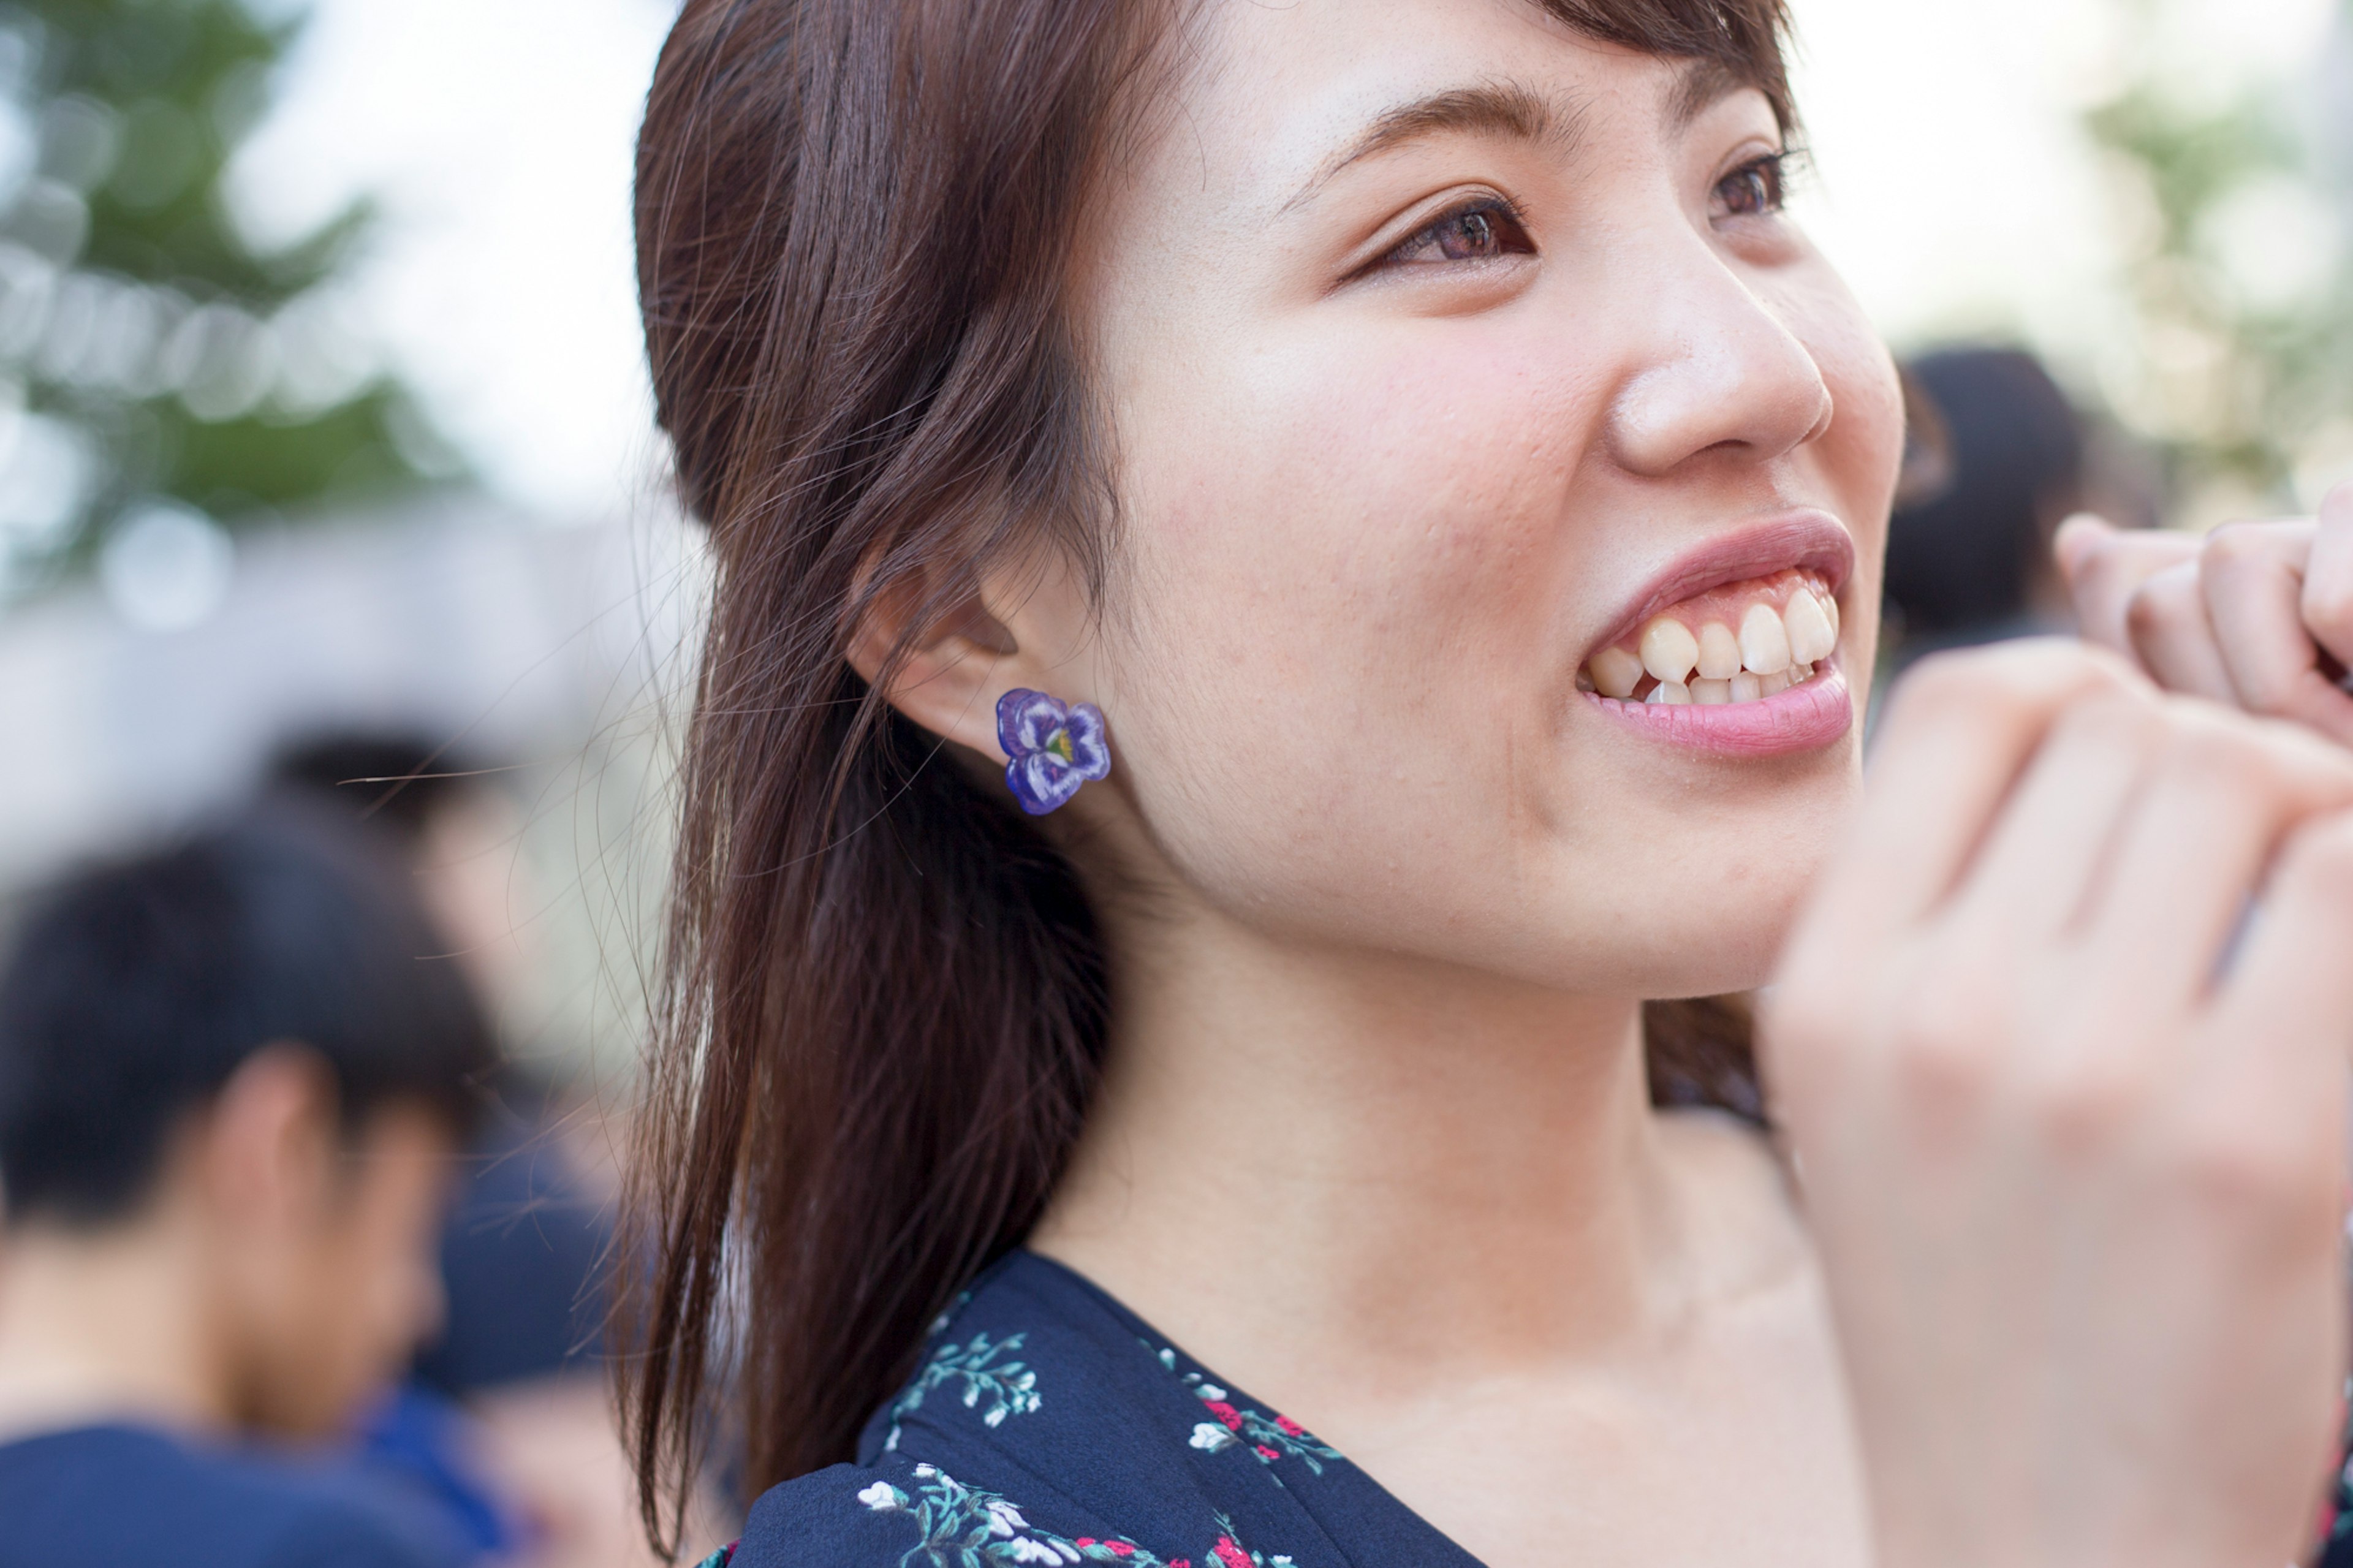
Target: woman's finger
1958, 728
2327, 607
2167, 623
2104, 565
2253, 575
2035, 872
2226, 792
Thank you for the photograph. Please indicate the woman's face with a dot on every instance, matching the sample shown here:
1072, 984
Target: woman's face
1446, 351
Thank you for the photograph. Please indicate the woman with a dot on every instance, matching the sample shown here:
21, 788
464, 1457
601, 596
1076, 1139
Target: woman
1411, 432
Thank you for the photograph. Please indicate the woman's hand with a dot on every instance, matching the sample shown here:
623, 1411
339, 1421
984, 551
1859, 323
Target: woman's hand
2259, 614
2070, 1126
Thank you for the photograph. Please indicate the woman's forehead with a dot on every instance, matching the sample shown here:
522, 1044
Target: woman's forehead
1281, 100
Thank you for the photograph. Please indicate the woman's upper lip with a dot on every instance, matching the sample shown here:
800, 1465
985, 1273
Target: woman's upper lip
1807, 540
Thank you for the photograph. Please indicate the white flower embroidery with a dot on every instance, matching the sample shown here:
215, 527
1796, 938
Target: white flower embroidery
1210, 1390
925, 1471
1004, 1518
882, 1496
1208, 1436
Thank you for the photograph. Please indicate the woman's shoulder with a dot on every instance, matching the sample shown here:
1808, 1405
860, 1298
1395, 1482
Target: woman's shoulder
1045, 1424
995, 1449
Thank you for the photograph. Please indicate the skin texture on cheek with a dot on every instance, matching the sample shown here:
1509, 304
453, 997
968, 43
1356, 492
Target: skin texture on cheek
1348, 612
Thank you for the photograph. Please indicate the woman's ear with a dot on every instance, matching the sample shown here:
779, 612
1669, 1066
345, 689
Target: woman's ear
947, 680
966, 645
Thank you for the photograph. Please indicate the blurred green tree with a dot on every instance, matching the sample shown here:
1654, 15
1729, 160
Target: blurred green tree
2240, 278
149, 354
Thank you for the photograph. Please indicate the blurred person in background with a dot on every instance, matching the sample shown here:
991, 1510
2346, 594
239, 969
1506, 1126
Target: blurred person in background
507, 1417
230, 1092
2001, 463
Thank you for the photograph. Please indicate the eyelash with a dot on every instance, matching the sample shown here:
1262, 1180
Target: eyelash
1771, 169
1499, 222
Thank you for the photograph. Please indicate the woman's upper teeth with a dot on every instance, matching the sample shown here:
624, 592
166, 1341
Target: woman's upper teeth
1702, 651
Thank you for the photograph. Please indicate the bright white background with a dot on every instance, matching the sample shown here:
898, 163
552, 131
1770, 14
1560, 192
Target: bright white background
1952, 187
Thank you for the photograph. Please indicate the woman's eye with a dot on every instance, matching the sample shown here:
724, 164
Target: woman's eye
1753, 189
1477, 233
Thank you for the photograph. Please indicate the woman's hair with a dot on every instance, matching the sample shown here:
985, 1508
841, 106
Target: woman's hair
884, 1000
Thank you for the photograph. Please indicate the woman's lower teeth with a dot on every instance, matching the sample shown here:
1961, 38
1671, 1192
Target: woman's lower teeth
1767, 651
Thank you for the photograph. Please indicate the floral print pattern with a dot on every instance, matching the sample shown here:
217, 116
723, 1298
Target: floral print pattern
1047, 1425
1270, 1437
966, 1527
1010, 1387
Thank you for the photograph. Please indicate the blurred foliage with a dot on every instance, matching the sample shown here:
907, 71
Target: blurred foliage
148, 352
2240, 281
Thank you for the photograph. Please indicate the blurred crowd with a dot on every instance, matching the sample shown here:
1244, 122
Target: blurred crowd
297, 1264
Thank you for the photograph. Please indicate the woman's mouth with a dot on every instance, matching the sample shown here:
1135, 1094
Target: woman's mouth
1747, 668
1739, 643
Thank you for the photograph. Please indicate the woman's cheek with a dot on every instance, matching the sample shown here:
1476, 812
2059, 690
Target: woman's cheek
1350, 580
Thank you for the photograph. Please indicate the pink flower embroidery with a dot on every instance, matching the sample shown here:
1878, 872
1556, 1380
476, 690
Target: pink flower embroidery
1120, 1549
1231, 1555
1289, 1427
1269, 1454
1225, 1413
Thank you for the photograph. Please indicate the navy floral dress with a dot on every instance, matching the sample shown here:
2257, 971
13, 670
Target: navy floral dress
1050, 1425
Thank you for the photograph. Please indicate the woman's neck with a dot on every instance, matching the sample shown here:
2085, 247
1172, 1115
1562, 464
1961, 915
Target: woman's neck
1340, 1162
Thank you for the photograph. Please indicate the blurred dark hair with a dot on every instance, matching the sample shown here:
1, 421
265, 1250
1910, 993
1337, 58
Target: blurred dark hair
397, 778
1964, 555
884, 1003
133, 989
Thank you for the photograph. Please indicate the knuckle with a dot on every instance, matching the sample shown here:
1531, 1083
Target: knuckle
2215, 756
1942, 682
2231, 546
2250, 1173
2005, 676
2253, 758
2091, 1106
1945, 1060
2110, 720
2160, 605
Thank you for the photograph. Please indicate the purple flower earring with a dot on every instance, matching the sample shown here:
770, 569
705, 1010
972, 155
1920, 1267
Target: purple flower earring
1054, 749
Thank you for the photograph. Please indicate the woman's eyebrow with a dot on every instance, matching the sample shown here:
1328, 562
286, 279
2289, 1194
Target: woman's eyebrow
1705, 83
1506, 109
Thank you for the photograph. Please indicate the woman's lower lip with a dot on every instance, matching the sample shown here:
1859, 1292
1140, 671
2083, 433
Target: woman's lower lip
1804, 717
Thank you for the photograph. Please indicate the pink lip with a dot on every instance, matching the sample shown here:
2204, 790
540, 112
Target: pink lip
1802, 719
1807, 540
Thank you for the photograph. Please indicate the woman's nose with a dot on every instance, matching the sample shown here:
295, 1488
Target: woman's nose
1714, 373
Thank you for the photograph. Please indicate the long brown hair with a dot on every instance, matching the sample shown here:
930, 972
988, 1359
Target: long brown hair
883, 1004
